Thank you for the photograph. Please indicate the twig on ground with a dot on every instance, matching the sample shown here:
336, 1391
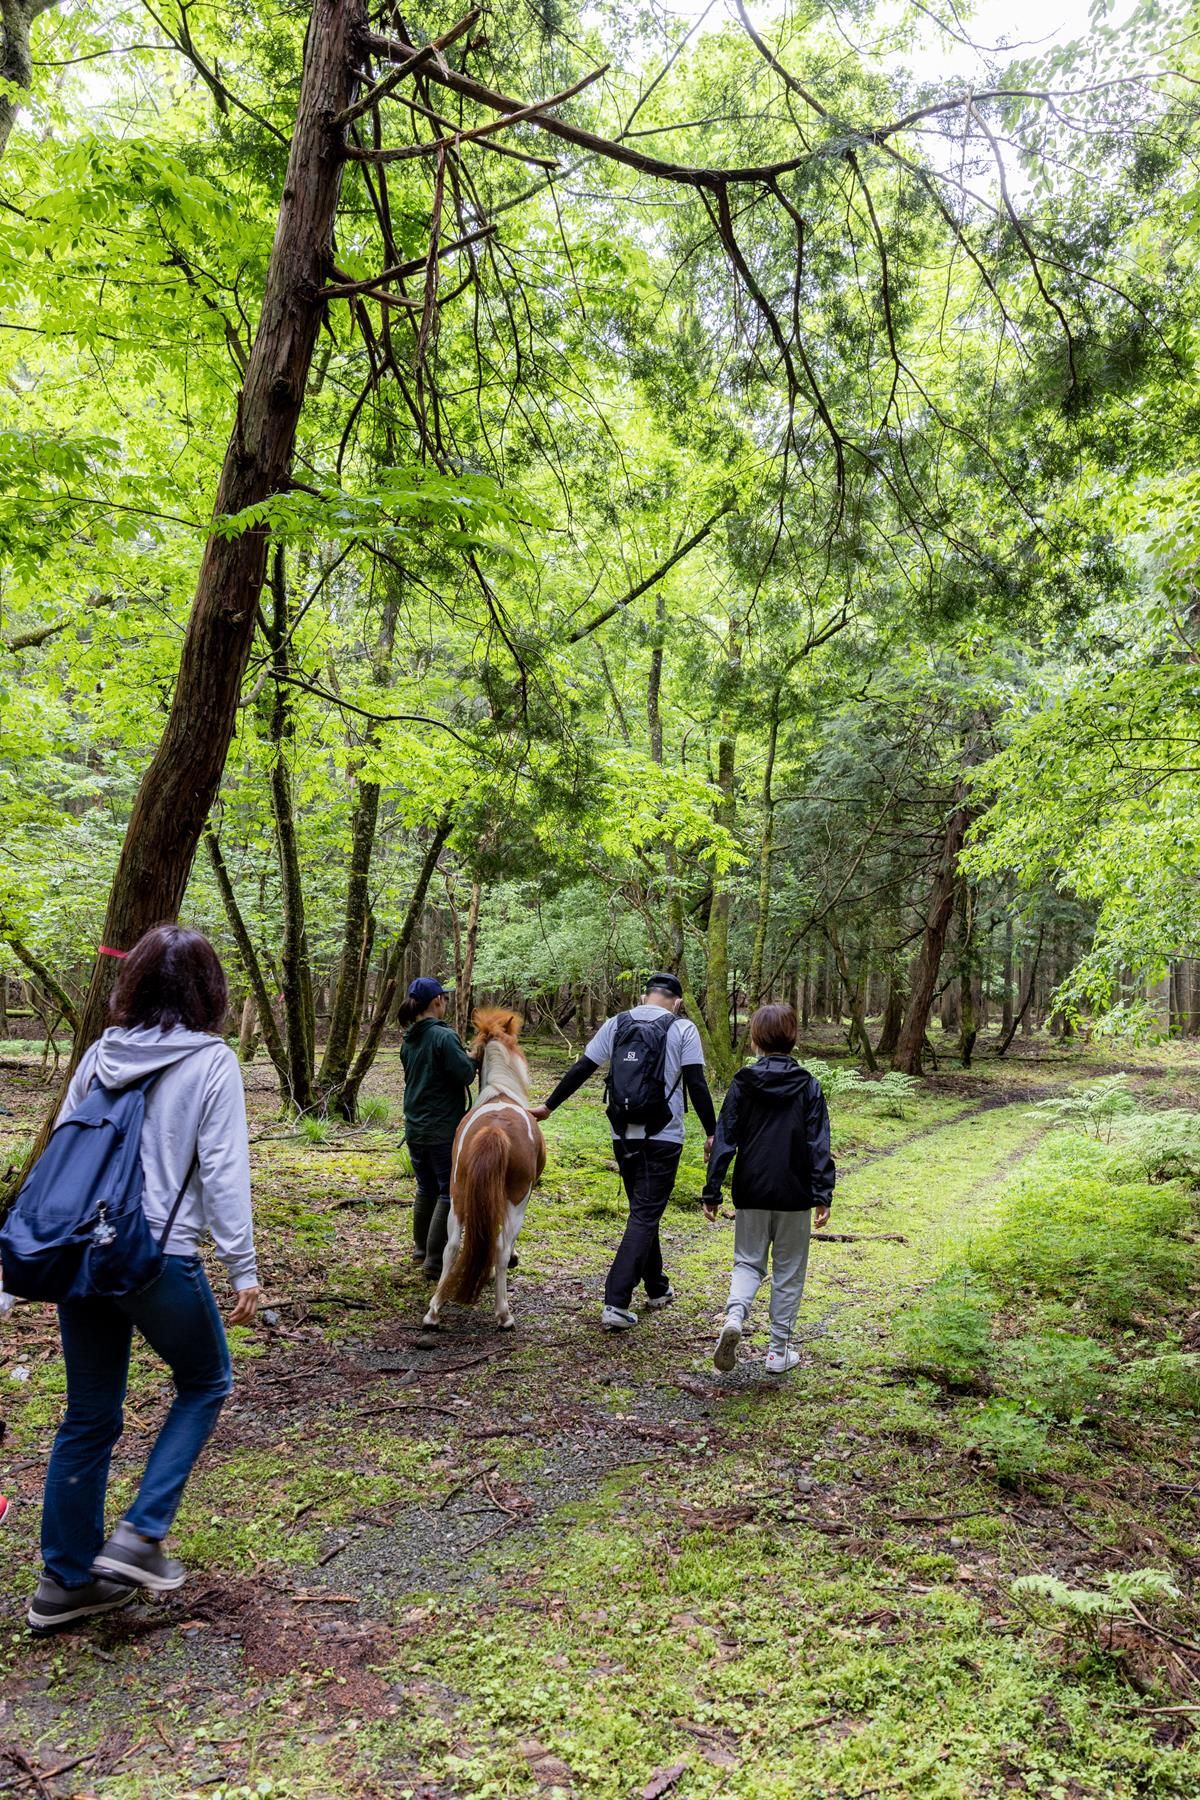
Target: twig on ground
497, 1502
330, 1554
395, 1406
462, 1486
860, 1237
39, 1777
978, 1512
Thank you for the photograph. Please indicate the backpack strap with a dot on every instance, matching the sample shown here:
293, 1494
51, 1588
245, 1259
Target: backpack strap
171, 1216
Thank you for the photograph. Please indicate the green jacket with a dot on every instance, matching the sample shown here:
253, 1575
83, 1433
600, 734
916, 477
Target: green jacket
437, 1074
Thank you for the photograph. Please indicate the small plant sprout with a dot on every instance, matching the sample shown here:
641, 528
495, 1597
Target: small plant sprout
314, 1130
1087, 1615
374, 1109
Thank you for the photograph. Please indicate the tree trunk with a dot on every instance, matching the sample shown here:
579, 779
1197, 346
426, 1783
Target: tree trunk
909, 1049
345, 1101
251, 966
49, 983
1006, 983
893, 1017
356, 943
462, 997
717, 987
1024, 1017
16, 57
853, 988
181, 782
967, 976
299, 1012
247, 1032
754, 982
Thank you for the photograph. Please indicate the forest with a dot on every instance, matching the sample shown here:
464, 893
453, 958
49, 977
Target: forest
535, 496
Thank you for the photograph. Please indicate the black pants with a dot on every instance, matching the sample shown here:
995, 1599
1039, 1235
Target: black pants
648, 1171
431, 1166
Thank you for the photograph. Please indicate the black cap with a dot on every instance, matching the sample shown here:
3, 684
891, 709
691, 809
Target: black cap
670, 984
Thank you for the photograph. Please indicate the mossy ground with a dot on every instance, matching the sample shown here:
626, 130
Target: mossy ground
554, 1561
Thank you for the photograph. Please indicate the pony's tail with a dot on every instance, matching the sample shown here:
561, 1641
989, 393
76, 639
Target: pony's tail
480, 1208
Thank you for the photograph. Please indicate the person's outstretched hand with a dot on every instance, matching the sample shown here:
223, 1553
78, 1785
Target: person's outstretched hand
245, 1305
710, 1212
820, 1218
539, 1113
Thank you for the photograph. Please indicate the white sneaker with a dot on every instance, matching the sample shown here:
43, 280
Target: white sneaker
658, 1301
725, 1354
617, 1318
780, 1361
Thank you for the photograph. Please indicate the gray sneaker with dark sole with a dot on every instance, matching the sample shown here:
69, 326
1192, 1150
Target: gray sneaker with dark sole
129, 1557
725, 1354
53, 1606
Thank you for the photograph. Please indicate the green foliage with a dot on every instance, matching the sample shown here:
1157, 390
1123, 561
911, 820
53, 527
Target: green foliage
1053, 1372
894, 1093
1170, 1381
1161, 1146
948, 1333
1091, 1108
374, 1109
837, 1080
1088, 1614
314, 1130
1069, 1229
1011, 1439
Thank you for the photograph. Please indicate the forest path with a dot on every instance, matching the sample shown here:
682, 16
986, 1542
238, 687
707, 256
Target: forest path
556, 1561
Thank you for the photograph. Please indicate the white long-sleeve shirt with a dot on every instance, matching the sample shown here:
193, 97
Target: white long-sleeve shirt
196, 1108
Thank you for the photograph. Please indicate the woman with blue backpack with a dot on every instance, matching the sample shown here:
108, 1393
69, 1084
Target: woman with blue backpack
161, 1064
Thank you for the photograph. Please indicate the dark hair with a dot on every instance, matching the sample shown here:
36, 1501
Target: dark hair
172, 976
773, 1028
410, 1010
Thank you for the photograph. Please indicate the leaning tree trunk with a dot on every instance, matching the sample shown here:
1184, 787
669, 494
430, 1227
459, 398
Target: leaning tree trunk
181, 782
925, 970
766, 851
16, 57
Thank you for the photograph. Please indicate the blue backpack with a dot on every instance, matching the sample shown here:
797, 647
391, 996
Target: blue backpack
76, 1230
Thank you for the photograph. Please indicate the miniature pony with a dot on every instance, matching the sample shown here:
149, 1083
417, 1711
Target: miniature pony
499, 1154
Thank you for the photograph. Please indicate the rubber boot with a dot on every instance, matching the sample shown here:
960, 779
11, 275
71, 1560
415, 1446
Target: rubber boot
435, 1239
423, 1207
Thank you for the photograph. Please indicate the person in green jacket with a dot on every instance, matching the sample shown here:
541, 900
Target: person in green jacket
438, 1074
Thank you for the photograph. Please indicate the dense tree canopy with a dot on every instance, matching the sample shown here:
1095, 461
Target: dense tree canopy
740, 516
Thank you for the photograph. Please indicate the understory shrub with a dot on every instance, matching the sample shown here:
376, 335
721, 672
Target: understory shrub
375, 1109
948, 1332
1013, 1441
1070, 1229
1054, 1373
314, 1130
836, 1081
893, 1092
1091, 1108
1171, 1380
1161, 1146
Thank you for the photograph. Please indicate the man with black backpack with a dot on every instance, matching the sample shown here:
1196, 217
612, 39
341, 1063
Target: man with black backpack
653, 1058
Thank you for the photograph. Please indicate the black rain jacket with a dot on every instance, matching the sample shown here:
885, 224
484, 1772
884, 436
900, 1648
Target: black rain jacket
776, 1124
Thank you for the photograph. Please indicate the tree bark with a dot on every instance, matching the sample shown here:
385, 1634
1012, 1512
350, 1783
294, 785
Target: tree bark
248, 955
909, 1049
181, 782
16, 56
1030, 985
462, 997
1006, 982
967, 976
717, 986
893, 1017
766, 851
299, 1010
854, 997
355, 953
49, 983
345, 1101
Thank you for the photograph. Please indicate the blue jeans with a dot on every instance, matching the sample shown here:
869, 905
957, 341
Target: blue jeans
178, 1318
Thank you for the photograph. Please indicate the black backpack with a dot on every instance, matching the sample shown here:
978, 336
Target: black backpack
636, 1090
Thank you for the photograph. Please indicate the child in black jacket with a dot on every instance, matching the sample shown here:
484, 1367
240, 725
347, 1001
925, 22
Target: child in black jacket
776, 1124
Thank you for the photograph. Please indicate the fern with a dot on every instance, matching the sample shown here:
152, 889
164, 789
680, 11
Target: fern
1093, 1109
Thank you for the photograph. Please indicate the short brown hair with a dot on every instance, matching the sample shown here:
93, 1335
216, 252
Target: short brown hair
172, 976
774, 1028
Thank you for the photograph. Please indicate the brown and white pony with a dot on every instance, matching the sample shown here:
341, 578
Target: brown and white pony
499, 1154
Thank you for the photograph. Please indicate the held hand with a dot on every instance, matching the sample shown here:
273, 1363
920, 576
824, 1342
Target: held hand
539, 1113
820, 1218
708, 1144
710, 1212
245, 1305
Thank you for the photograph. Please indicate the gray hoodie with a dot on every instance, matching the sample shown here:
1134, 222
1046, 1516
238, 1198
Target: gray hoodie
197, 1105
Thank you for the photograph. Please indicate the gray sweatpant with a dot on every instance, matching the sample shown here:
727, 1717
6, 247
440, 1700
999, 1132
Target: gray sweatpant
785, 1235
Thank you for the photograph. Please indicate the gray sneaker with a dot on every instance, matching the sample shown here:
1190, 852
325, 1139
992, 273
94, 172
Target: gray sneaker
54, 1606
129, 1557
725, 1354
618, 1318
